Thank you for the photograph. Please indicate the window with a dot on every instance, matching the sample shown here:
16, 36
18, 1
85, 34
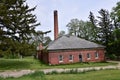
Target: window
96, 55
60, 58
88, 55
70, 57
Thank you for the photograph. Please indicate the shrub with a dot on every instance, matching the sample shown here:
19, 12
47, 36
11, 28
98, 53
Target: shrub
112, 56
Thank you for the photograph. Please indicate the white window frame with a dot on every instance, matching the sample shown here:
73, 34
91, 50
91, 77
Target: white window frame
60, 58
88, 56
96, 55
70, 57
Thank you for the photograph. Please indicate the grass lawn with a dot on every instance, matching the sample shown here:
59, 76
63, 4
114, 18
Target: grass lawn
30, 63
92, 75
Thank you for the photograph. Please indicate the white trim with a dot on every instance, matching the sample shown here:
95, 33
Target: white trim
60, 61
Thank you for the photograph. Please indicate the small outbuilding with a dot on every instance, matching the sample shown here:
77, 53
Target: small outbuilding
70, 49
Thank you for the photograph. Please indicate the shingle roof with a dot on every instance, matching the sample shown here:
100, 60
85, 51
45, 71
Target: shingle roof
72, 42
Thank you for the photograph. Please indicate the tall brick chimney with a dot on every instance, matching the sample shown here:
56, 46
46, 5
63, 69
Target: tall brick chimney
55, 24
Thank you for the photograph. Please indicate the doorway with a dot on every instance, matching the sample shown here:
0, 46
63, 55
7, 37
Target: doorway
80, 58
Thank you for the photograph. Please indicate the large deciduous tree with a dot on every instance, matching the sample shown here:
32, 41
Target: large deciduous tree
115, 15
73, 27
82, 29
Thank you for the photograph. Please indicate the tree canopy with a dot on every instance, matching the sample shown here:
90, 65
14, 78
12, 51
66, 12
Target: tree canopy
16, 25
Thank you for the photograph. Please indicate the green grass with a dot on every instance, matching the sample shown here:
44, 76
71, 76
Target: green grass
30, 63
92, 75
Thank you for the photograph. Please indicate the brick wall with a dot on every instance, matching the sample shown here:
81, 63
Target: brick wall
53, 56
43, 56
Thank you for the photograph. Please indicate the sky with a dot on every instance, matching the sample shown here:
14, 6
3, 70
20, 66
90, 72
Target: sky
67, 10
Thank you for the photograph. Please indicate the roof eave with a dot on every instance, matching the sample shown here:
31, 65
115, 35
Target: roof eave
76, 48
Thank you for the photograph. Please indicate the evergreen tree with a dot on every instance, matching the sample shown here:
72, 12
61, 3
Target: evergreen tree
105, 30
16, 24
94, 27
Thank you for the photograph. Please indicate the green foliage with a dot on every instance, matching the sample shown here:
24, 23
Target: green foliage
114, 48
115, 14
116, 34
112, 56
16, 25
114, 45
39, 37
105, 31
94, 27
82, 29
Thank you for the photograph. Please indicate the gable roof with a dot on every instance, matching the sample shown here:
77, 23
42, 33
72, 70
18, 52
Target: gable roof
67, 42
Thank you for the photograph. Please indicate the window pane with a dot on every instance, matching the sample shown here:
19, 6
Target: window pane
96, 55
88, 55
60, 58
70, 57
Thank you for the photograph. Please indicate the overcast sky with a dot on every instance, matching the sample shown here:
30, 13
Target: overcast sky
67, 10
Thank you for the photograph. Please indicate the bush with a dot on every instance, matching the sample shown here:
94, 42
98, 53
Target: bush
112, 56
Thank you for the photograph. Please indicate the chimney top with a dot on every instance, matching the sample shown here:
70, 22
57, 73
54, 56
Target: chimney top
55, 10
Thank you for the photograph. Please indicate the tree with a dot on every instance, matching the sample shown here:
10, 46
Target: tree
82, 29
105, 30
115, 15
94, 27
73, 27
16, 23
39, 37
114, 46
19, 21
62, 33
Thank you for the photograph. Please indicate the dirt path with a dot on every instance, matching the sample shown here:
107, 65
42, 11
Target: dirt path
85, 69
15, 73
24, 72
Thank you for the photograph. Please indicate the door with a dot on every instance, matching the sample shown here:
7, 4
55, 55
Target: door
80, 58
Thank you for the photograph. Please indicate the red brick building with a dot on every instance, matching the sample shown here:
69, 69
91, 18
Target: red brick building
70, 49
